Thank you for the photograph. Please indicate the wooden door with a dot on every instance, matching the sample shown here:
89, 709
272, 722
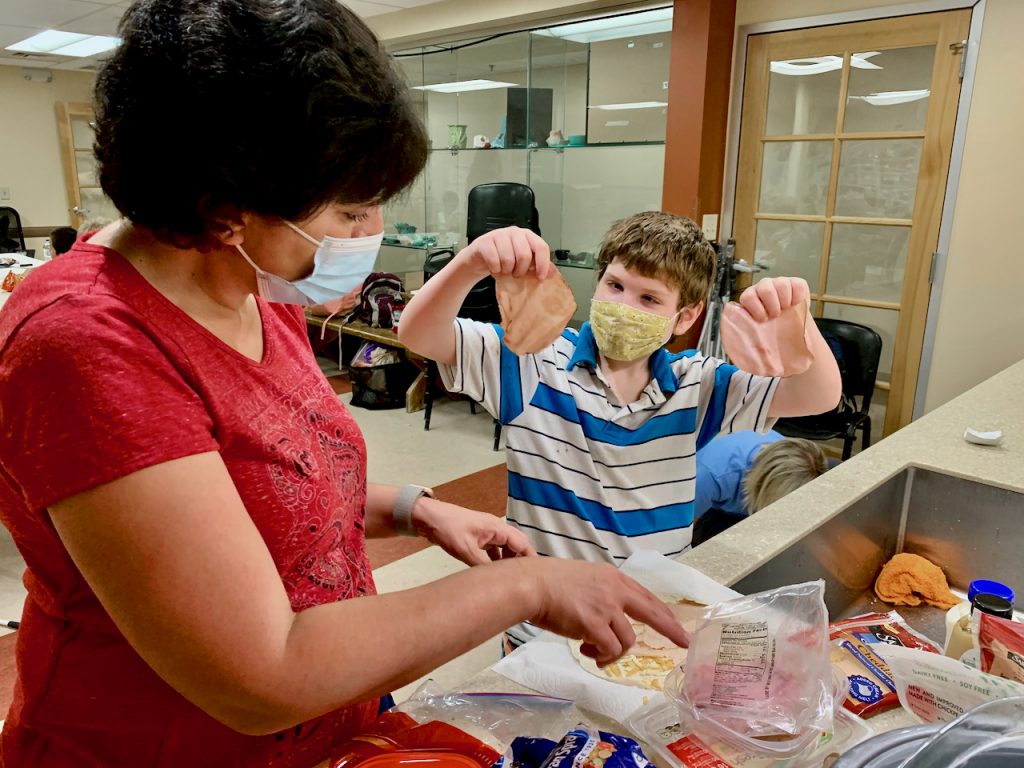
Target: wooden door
845, 144
86, 202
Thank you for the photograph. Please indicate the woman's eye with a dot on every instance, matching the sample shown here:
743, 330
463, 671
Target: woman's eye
357, 216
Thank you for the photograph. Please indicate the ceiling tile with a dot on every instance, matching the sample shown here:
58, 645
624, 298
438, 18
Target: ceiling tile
46, 14
100, 22
411, 3
365, 8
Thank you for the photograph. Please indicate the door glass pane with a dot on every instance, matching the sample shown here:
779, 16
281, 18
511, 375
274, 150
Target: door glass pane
99, 210
85, 163
81, 132
794, 177
878, 178
867, 261
883, 321
803, 96
889, 90
789, 249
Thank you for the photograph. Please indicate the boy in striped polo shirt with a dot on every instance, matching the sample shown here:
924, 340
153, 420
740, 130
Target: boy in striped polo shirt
602, 427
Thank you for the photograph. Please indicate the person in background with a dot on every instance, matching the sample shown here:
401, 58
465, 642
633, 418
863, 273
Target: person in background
603, 425
744, 472
62, 238
189, 495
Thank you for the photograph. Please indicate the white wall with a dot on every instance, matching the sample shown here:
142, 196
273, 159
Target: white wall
30, 162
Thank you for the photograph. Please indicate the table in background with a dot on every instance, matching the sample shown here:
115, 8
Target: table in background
24, 263
358, 330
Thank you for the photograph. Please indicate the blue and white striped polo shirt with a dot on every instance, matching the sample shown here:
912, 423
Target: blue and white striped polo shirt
590, 478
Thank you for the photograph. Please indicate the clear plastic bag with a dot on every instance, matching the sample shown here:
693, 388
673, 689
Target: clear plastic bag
758, 673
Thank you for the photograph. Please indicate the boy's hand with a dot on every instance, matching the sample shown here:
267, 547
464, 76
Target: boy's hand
509, 251
769, 297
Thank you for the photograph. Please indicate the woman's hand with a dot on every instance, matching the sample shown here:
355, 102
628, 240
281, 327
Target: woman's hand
473, 537
508, 251
590, 602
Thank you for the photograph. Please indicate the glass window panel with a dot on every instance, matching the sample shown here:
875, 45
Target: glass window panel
889, 90
81, 132
85, 163
794, 176
803, 98
604, 184
547, 170
867, 261
561, 66
790, 249
409, 207
883, 321
99, 210
629, 70
878, 178
450, 176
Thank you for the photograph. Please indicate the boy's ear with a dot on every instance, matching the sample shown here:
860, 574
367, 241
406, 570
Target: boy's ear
687, 317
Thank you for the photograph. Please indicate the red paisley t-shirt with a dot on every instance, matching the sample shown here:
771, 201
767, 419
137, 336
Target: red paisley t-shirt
100, 376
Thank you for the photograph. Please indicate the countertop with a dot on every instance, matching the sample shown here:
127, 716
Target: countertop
934, 441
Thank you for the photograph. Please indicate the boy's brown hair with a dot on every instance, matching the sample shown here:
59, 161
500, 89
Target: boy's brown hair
664, 247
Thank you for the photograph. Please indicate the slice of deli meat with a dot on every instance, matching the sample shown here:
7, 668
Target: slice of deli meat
533, 312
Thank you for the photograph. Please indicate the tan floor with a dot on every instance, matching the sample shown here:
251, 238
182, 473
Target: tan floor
400, 451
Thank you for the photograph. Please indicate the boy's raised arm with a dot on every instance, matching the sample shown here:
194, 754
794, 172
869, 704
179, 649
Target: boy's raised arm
427, 325
817, 389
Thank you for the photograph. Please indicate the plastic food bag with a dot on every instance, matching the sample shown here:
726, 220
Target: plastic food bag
586, 747
872, 689
758, 674
660, 726
478, 726
936, 688
1001, 642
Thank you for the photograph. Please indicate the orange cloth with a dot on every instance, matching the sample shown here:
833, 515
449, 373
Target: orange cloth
908, 579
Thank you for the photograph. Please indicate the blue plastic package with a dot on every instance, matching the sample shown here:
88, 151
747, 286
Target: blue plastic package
585, 747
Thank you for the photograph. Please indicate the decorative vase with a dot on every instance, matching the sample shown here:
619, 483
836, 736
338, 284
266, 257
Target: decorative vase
555, 139
457, 138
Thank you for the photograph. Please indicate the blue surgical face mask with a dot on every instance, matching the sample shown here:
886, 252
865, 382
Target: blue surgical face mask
340, 264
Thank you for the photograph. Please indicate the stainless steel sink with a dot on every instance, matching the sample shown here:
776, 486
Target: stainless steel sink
970, 529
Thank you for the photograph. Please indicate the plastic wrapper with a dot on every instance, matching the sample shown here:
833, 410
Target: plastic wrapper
1001, 642
585, 747
935, 688
480, 726
758, 674
372, 355
661, 728
871, 687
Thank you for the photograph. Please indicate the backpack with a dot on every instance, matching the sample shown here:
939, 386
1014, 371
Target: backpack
381, 300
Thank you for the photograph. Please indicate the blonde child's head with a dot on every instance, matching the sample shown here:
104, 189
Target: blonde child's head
781, 468
665, 247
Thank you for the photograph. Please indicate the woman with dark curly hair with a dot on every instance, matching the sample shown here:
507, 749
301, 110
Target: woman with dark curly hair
189, 495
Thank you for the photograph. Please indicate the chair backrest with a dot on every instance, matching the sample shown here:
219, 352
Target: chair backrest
12, 237
857, 349
490, 206
501, 204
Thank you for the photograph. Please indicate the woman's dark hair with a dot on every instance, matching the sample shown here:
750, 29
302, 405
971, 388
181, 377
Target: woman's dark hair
277, 107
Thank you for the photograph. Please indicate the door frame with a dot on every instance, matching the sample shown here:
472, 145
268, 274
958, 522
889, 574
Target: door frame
956, 155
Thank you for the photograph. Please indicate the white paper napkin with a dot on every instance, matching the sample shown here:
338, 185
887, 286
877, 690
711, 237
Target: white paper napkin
547, 665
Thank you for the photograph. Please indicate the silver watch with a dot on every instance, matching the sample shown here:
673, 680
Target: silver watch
406, 499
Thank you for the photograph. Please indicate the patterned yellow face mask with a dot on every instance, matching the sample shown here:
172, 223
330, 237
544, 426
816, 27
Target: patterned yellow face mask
626, 333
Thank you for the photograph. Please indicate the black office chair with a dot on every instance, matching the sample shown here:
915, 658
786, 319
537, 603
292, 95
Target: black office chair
491, 206
12, 236
857, 349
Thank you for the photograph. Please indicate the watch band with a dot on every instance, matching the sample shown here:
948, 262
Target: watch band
406, 499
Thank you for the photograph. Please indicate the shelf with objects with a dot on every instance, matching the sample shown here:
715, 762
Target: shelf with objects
575, 111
